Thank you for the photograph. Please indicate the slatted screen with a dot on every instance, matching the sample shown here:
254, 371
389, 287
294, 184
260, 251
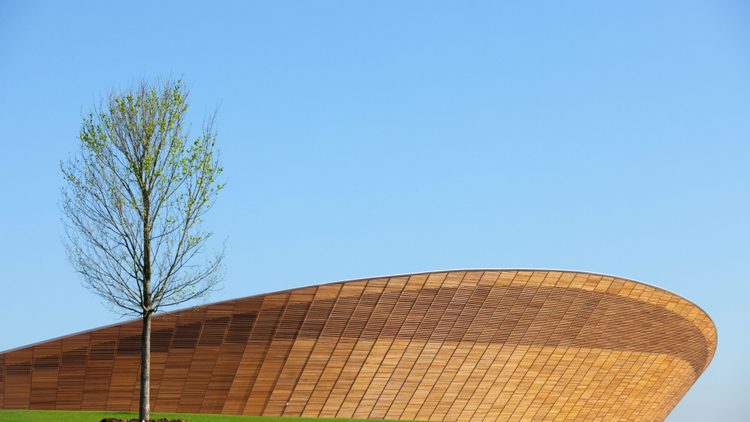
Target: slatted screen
490, 345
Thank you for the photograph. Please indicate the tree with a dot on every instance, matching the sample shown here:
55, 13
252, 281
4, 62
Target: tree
134, 199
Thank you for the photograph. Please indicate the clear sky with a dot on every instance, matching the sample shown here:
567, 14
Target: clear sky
365, 138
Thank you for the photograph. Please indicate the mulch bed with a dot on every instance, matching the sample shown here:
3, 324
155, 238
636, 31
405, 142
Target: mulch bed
137, 420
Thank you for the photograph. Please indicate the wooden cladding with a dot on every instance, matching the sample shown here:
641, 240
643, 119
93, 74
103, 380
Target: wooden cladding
453, 346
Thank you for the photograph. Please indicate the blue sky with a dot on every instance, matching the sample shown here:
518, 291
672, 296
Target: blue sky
374, 138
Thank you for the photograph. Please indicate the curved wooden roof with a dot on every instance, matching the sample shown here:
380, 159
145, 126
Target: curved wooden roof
474, 345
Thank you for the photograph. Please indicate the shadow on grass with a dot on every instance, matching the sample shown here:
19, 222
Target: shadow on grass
88, 416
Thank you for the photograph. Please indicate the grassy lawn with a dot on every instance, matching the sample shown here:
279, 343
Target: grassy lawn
73, 416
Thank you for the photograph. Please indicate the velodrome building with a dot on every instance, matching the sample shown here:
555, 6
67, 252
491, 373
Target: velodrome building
473, 345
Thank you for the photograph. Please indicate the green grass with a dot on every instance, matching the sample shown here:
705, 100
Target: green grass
75, 416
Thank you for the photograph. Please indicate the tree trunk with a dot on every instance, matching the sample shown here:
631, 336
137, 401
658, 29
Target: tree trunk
146, 304
143, 413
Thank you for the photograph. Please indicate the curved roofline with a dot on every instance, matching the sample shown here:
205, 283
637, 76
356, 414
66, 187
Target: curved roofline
503, 269
384, 276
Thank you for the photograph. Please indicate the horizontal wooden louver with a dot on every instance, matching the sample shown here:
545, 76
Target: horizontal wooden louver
213, 331
239, 329
161, 340
186, 336
74, 357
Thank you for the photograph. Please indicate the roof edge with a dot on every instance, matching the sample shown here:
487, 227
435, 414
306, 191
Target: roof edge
384, 276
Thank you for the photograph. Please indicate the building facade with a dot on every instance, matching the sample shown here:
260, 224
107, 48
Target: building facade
474, 345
